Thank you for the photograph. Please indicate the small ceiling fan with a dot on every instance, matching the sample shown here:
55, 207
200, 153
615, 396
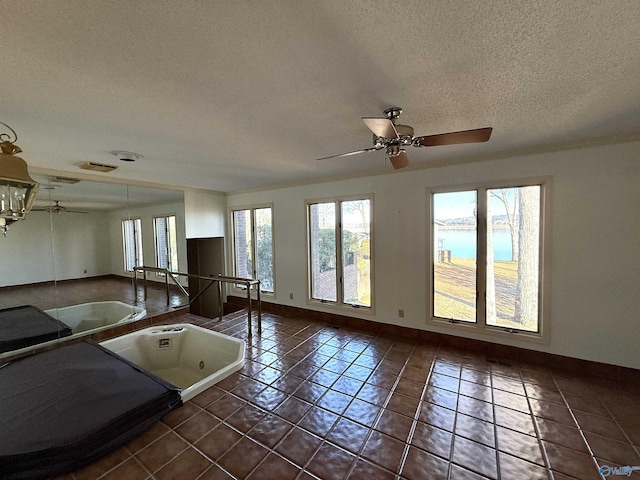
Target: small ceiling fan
56, 208
393, 137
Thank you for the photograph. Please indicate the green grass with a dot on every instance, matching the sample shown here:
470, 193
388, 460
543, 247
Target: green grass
456, 292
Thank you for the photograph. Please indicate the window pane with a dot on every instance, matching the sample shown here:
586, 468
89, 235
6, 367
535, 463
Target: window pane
160, 229
356, 253
264, 248
166, 242
322, 226
132, 244
513, 242
137, 233
128, 245
454, 255
173, 244
242, 234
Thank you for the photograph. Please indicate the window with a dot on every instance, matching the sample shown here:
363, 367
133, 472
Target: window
164, 229
340, 251
486, 256
132, 242
253, 245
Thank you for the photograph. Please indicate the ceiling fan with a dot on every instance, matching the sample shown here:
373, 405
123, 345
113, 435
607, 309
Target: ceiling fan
389, 135
56, 208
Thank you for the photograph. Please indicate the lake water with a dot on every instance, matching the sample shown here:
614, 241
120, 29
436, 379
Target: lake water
462, 243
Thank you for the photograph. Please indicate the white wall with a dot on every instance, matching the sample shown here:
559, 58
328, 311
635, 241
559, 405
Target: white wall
204, 214
91, 242
595, 245
146, 214
80, 242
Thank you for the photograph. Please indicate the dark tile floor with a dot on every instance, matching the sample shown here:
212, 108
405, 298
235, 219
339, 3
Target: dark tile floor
315, 401
63, 294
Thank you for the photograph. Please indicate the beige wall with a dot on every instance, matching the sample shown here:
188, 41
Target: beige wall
204, 214
594, 246
80, 242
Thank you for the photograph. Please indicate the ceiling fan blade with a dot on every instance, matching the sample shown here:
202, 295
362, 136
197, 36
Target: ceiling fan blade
381, 127
453, 138
400, 160
365, 150
57, 208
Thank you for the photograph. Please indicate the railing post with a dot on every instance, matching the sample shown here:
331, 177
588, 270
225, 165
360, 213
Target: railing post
135, 286
220, 306
248, 284
259, 311
166, 285
145, 285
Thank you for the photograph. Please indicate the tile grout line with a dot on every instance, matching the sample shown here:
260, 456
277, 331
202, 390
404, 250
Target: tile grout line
584, 438
416, 414
375, 420
358, 454
536, 427
495, 418
617, 422
296, 425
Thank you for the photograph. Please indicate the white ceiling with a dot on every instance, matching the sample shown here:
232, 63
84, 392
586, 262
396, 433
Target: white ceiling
90, 195
235, 95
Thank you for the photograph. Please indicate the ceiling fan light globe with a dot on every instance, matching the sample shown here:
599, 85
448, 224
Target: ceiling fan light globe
404, 130
393, 150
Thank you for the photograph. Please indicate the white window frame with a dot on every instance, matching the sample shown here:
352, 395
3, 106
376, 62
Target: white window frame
138, 253
544, 277
169, 252
252, 209
339, 302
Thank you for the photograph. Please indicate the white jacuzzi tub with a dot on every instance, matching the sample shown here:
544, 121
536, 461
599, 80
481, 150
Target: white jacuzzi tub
96, 315
190, 357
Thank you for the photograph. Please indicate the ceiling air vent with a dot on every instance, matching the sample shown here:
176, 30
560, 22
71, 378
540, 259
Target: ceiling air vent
68, 180
98, 167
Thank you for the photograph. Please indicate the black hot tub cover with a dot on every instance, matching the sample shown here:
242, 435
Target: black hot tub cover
27, 325
64, 408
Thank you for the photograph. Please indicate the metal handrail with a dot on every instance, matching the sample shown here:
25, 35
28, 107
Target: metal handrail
218, 280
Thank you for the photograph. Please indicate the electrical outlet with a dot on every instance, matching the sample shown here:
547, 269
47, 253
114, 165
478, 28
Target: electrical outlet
401, 312
85, 271
291, 296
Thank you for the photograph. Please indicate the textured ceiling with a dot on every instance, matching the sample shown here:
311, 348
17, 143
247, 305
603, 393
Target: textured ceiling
234, 95
88, 195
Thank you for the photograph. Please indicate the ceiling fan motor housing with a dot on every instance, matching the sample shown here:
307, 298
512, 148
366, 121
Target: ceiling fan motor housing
405, 134
405, 137
393, 137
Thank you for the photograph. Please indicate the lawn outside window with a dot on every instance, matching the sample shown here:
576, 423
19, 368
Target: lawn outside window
488, 252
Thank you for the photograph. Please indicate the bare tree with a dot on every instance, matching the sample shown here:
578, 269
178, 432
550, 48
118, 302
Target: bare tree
359, 207
510, 210
526, 302
490, 275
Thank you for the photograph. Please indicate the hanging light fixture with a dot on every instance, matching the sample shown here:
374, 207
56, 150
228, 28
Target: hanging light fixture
17, 189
